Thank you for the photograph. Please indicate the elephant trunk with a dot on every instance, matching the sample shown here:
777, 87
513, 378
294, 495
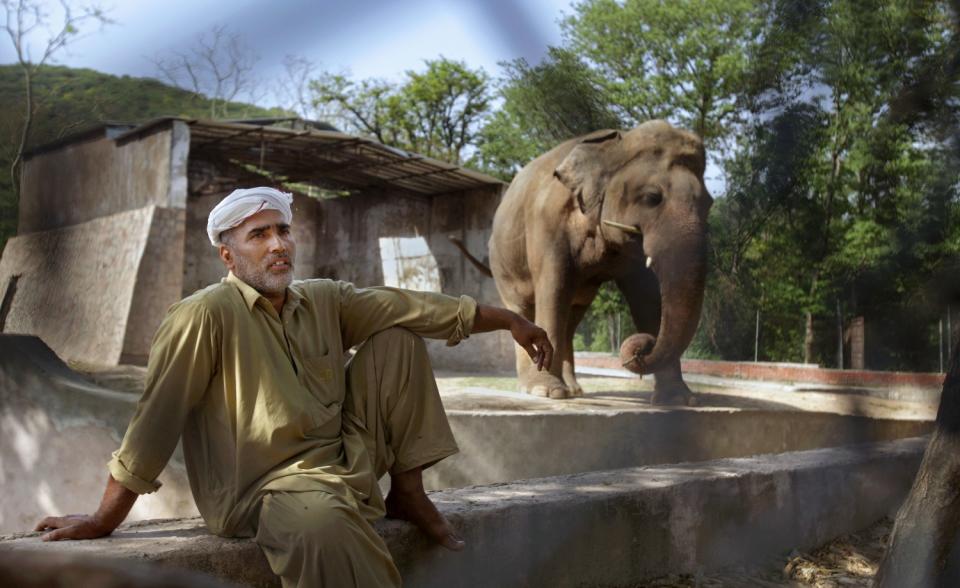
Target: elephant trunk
681, 271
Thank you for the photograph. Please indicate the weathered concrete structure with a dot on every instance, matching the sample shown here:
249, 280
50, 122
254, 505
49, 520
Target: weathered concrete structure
608, 528
57, 431
112, 226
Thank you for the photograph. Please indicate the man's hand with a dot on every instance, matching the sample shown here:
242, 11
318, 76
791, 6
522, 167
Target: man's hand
75, 526
534, 340
114, 506
528, 335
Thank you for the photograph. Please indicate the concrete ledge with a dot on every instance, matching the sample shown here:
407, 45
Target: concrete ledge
503, 446
611, 528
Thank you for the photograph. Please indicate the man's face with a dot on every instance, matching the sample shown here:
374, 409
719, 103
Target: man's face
261, 252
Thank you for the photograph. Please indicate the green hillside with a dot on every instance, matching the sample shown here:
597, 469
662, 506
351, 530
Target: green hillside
69, 100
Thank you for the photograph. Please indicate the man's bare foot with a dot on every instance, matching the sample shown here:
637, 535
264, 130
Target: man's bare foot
408, 501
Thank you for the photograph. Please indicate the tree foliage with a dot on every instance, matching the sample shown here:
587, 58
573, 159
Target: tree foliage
437, 112
825, 119
684, 61
543, 105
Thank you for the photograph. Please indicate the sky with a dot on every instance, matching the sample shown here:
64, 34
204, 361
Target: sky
367, 38
363, 38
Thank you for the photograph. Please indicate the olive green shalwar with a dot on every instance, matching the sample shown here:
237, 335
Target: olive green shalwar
274, 426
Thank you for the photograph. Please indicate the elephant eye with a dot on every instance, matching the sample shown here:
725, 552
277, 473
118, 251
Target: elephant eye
651, 198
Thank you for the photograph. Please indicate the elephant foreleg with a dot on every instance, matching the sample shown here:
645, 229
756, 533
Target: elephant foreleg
642, 292
669, 387
553, 303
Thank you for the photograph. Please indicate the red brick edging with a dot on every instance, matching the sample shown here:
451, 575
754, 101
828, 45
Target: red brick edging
790, 373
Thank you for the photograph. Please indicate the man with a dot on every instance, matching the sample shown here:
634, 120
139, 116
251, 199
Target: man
281, 441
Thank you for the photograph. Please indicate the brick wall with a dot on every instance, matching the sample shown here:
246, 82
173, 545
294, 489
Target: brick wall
791, 373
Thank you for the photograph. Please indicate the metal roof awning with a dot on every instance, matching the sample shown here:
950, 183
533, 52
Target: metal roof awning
320, 157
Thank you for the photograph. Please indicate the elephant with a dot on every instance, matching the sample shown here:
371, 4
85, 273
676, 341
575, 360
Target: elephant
629, 206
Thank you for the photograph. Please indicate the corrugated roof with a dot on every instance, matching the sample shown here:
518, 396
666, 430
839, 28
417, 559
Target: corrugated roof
327, 158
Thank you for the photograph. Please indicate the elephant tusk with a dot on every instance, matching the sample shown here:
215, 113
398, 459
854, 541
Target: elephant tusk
623, 227
649, 262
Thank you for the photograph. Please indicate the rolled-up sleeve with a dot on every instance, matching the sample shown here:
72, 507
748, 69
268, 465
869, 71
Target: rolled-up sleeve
182, 361
365, 311
134, 483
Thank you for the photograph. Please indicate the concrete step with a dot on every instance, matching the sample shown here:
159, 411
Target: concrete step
608, 528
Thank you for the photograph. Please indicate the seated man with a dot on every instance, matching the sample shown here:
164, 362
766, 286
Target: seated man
282, 442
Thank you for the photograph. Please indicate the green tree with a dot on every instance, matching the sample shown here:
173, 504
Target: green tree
866, 165
754, 251
684, 61
542, 106
437, 112
829, 200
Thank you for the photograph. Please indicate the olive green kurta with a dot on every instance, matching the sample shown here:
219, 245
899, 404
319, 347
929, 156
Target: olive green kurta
257, 396
314, 539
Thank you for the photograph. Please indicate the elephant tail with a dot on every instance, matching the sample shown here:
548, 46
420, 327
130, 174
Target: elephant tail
485, 270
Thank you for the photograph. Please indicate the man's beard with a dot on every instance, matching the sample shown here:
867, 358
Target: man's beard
261, 279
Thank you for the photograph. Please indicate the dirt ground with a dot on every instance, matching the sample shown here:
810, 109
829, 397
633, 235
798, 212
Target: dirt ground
850, 560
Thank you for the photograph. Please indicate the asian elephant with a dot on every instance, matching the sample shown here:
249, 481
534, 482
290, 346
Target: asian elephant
628, 206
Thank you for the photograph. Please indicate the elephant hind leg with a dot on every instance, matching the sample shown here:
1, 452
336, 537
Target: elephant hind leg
569, 367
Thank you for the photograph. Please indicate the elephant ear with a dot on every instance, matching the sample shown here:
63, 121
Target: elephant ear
586, 169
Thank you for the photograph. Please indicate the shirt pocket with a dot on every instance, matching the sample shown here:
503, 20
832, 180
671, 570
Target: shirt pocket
321, 377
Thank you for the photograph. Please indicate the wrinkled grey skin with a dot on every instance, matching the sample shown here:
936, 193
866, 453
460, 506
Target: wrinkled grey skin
594, 209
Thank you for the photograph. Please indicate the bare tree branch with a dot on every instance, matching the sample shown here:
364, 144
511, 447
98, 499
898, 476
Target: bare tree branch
219, 67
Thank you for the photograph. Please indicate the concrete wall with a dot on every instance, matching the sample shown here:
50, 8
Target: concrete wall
100, 177
348, 248
349, 229
70, 187
468, 216
339, 238
158, 283
503, 446
611, 528
57, 432
96, 290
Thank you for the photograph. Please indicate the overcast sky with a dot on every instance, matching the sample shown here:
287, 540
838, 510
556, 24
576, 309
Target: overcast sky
379, 38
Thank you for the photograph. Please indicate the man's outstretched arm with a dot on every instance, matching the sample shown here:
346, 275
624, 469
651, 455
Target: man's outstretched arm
528, 335
114, 506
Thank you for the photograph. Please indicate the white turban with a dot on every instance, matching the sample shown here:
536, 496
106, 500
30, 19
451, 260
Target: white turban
244, 203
